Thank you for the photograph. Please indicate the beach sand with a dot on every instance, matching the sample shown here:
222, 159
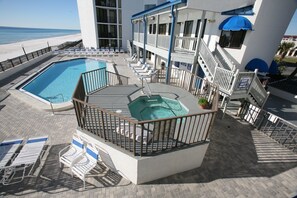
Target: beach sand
13, 50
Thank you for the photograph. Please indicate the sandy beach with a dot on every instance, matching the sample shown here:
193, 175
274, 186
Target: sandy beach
12, 50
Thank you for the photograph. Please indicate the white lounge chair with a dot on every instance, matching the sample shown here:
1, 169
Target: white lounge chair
28, 156
68, 154
82, 166
7, 151
139, 71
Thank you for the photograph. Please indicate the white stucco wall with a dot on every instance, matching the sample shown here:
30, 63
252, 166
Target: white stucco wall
87, 19
144, 169
270, 24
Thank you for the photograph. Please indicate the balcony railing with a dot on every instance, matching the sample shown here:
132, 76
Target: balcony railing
136, 36
149, 137
141, 37
151, 39
185, 43
163, 41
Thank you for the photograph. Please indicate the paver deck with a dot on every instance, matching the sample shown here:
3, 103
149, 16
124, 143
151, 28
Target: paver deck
233, 166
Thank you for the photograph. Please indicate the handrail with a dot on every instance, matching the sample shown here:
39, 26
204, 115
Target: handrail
225, 79
258, 92
225, 57
277, 128
148, 87
208, 57
113, 126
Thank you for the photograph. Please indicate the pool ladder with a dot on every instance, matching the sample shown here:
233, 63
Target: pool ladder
51, 104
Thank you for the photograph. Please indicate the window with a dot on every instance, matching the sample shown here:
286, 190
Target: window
152, 29
248, 10
162, 29
103, 31
112, 16
188, 28
119, 3
198, 26
169, 28
232, 39
120, 16
120, 31
112, 31
101, 15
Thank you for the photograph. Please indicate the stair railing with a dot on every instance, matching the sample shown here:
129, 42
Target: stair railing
225, 57
208, 57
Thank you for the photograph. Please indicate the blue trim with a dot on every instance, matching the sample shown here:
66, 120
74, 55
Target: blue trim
37, 140
78, 144
92, 154
157, 8
247, 10
144, 39
170, 44
11, 142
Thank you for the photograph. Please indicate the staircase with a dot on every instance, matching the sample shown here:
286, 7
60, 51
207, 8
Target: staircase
233, 84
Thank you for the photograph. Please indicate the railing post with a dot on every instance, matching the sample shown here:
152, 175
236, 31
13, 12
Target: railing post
11, 62
234, 81
2, 66
25, 53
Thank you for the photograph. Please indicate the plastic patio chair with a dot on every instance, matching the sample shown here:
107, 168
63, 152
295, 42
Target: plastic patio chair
28, 156
82, 166
68, 154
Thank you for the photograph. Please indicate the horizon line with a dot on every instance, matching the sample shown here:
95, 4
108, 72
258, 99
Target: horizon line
39, 28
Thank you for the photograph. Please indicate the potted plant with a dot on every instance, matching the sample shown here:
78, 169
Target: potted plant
204, 104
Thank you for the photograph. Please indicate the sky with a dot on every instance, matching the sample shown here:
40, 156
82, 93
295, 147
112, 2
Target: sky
59, 14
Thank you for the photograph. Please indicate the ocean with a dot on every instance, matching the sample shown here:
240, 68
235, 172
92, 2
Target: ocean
17, 34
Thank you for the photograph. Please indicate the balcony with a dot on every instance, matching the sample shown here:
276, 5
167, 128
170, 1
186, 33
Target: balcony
182, 44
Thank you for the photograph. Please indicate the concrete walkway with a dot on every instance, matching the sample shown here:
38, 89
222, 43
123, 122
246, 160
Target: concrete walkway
233, 165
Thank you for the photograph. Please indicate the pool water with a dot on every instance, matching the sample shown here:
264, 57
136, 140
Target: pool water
57, 83
156, 107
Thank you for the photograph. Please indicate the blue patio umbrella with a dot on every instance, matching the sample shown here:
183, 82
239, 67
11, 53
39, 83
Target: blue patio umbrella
273, 69
257, 63
236, 23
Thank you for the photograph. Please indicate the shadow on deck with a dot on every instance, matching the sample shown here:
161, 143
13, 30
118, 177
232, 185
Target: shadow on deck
236, 151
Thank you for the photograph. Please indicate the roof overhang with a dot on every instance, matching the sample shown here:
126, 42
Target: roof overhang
158, 8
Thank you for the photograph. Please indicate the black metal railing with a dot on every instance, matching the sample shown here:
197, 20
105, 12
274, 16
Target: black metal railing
9, 63
144, 137
282, 131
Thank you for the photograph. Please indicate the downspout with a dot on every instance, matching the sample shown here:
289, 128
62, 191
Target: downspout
144, 38
168, 66
132, 48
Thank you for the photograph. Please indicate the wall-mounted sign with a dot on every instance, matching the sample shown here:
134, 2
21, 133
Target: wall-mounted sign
244, 83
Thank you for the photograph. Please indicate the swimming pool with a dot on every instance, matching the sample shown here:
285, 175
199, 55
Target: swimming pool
156, 107
57, 82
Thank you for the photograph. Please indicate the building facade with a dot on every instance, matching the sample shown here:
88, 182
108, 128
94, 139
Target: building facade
106, 23
241, 45
290, 39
